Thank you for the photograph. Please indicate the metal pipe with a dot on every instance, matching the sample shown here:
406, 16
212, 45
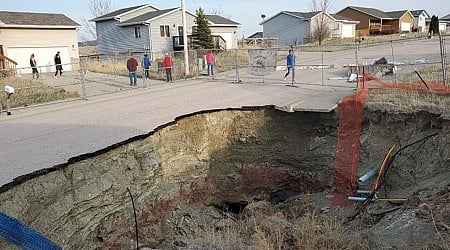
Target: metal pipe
362, 191
367, 176
360, 199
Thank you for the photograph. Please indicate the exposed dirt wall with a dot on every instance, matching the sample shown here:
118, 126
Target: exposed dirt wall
212, 162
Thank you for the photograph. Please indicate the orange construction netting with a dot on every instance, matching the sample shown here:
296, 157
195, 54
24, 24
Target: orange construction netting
349, 132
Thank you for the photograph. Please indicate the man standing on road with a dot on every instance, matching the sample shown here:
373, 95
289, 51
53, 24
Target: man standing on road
168, 64
210, 63
132, 66
33, 65
290, 62
146, 63
58, 64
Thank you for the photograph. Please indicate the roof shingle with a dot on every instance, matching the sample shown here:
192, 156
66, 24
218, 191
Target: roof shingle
44, 19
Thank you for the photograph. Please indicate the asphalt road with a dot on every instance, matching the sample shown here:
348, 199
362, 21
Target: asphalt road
41, 137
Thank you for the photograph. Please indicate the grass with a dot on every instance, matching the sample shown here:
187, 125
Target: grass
273, 230
402, 100
30, 92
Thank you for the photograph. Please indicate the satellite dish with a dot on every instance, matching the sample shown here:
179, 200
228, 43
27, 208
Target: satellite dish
263, 16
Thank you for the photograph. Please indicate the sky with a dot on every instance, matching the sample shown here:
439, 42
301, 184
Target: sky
246, 12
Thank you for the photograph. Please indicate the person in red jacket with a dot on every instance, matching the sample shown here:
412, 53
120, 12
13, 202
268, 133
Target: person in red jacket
168, 64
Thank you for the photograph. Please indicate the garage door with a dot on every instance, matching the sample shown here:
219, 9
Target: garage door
43, 56
348, 31
406, 27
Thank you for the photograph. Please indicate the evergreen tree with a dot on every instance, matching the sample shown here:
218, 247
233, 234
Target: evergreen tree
201, 36
434, 25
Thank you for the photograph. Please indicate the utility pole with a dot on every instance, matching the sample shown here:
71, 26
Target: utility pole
185, 47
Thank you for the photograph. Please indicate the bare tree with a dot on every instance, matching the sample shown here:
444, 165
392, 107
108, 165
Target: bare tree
320, 28
96, 8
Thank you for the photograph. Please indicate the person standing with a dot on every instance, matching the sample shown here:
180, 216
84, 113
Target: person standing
58, 64
146, 63
132, 66
210, 63
168, 64
33, 65
290, 62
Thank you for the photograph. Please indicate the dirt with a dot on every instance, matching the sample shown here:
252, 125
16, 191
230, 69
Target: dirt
248, 179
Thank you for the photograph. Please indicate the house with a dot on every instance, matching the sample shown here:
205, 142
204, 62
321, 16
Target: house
446, 20
147, 28
419, 24
43, 34
224, 28
294, 28
374, 21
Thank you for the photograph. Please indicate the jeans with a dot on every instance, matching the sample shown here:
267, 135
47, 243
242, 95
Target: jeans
133, 78
169, 74
210, 69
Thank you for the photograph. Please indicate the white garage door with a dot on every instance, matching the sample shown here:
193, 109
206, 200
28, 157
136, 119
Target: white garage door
44, 58
348, 31
406, 27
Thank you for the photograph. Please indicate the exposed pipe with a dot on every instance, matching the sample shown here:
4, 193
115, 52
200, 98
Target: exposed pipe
360, 199
367, 176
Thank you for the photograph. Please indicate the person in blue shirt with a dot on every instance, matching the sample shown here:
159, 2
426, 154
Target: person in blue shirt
146, 63
290, 62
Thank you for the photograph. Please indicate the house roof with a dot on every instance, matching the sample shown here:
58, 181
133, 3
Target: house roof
371, 12
343, 19
396, 14
220, 20
27, 19
447, 17
116, 13
258, 34
417, 13
303, 15
147, 17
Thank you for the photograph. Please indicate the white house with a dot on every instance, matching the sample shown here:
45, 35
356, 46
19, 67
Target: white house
294, 28
420, 17
41, 34
147, 28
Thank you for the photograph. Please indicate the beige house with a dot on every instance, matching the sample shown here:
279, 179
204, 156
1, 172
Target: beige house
41, 34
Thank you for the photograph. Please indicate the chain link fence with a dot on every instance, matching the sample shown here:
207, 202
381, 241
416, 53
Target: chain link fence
398, 61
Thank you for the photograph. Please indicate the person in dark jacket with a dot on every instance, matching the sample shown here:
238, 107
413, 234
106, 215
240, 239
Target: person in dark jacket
290, 63
146, 63
58, 64
132, 66
33, 65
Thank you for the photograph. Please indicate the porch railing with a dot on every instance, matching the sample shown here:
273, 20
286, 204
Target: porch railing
7, 66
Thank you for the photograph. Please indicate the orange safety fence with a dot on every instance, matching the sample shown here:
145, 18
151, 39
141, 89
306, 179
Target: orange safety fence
349, 132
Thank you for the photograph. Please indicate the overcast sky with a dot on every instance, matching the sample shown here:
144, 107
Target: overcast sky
246, 12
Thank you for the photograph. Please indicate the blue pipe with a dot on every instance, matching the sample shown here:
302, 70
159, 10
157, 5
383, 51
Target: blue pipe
367, 176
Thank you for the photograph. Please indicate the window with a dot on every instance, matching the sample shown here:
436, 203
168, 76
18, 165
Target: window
137, 32
164, 30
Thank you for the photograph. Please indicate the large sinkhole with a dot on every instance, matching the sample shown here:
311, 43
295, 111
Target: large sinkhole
202, 169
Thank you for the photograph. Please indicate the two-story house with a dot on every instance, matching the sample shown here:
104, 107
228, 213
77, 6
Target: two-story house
147, 28
420, 17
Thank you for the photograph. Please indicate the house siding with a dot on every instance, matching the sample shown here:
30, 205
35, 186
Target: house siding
165, 44
362, 29
288, 29
229, 34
